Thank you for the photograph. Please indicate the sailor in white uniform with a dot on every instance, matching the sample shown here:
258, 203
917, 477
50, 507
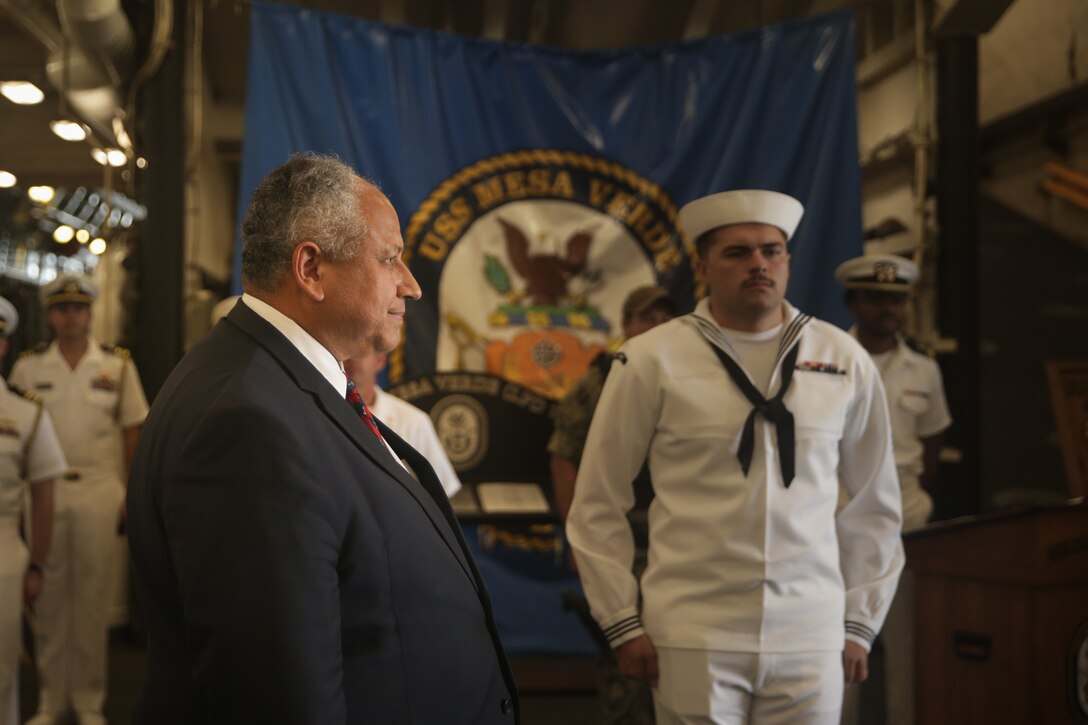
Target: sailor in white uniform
758, 601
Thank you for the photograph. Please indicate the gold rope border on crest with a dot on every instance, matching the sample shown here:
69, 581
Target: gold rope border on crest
514, 159
539, 157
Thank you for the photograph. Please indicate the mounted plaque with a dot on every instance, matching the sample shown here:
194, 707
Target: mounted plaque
1069, 398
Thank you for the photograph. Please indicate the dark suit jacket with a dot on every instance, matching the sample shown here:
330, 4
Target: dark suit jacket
288, 569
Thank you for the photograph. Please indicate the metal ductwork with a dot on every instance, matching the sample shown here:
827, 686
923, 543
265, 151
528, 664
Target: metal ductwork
90, 58
102, 30
88, 90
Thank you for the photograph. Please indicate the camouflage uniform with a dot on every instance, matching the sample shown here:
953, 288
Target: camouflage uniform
624, 701
575, 411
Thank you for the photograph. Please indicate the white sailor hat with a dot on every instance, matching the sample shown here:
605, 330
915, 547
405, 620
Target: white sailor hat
9, 318
888, 272
741, 207
69, 288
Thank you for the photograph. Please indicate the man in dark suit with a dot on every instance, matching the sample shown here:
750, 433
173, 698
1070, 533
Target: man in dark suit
289, 568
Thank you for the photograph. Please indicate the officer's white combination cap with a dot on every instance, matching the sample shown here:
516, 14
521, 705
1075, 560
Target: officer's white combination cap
69, 288
888, 272
745, 206
9, 318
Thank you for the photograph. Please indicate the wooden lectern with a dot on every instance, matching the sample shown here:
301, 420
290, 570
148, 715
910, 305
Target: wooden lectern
1001, 617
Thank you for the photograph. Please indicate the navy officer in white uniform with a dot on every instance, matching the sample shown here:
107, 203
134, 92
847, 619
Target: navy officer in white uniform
94, 395
878, 288
30, 455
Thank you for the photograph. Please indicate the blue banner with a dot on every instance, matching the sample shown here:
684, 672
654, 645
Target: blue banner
537, 186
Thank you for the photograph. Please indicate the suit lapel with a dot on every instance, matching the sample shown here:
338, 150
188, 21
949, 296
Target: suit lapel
436, 503
306, 376
348, 421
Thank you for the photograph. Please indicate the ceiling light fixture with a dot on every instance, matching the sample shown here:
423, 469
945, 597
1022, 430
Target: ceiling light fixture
97, 246
41, 194
83, 236
110, 157
24, 93
7, 179
63, 234
68, 130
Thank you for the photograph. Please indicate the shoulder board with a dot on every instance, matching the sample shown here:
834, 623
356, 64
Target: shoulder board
919, 348
118, 351
38, 349
25, 393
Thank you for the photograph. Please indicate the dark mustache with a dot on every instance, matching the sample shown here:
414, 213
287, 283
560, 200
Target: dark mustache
765, 280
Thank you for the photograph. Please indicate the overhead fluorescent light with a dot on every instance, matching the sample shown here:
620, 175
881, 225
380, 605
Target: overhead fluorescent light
68, 130
41, 194
111, 157
24, 93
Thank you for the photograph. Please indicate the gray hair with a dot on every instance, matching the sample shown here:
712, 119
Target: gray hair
310, 198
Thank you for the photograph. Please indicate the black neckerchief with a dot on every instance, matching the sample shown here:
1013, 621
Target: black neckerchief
774, 410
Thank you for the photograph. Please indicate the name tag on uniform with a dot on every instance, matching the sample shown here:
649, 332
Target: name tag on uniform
43, 386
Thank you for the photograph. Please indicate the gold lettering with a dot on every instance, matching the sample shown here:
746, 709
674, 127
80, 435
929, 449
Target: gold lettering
640, 218
413, 389
433, 247
620, 206
658, 237
561, 186
539, 182
462, 383
488, 193
666, 258
599, 191
515, 184
461, 210
451, 223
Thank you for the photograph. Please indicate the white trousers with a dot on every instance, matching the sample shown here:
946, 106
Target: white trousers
704, 687
13, 561
71, 626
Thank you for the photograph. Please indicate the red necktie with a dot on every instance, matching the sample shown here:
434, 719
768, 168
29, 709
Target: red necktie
356, 401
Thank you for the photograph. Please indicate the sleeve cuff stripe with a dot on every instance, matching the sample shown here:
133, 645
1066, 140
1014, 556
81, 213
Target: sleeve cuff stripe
860, 630
622, 627
622, 624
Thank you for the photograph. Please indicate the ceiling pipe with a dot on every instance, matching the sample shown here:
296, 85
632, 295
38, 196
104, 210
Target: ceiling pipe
86, 89
89, 58
103, 31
